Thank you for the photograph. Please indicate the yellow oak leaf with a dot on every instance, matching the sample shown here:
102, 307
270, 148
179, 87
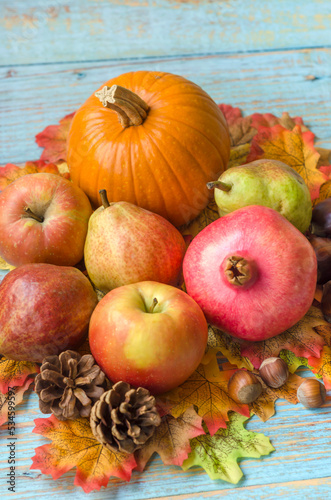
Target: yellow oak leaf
219, 341
302, 339
5, 266
322, 366
15, 373
206, 389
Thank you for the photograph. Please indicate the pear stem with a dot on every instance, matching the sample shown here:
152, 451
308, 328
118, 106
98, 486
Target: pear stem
104, 199
32, 215
154, 303
219, 185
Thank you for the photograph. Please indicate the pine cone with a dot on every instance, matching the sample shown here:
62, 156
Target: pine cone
124, 418
69, 384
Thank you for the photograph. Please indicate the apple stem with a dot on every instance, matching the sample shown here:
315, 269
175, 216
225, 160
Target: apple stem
104, 199
154, 303
32, 215
219, 185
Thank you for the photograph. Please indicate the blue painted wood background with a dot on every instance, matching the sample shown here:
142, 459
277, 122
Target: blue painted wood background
260, 56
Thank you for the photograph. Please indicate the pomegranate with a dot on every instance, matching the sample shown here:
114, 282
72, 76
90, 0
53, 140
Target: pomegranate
252, 273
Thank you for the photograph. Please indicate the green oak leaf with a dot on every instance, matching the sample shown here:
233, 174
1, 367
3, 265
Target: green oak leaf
293, 361
218, 454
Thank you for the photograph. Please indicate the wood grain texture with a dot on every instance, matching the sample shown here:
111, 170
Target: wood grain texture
87, 30
32, 97
260, 56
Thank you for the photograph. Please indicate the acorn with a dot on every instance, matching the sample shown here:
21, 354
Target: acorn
322, 248
244, 387
326, 301
321, 218
274, 372
311, 393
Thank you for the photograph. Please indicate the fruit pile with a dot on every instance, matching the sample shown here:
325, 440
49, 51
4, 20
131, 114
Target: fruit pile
102, 256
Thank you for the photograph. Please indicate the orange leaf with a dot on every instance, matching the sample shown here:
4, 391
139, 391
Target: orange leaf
15, 373
54, 140
302, 339
9, 173
206, 389
171, 440
322, 366
73, 445
264, 406
325, 192
5, 266
295, 148
15, 395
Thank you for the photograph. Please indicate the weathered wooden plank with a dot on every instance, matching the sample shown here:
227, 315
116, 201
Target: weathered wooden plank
32, 97
301, 438
35, 31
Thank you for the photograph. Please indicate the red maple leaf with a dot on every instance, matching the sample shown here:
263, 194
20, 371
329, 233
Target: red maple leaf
54, 140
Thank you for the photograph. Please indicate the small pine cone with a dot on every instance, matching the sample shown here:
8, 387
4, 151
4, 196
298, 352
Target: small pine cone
69, 384
124, 418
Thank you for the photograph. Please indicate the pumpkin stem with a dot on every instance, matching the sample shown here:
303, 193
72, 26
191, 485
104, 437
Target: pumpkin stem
219, 185
104, 199
130, 108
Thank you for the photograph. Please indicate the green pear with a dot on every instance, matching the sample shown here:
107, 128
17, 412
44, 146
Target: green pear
270, 183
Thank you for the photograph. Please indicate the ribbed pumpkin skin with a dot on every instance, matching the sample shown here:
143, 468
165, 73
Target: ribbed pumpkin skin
163, 164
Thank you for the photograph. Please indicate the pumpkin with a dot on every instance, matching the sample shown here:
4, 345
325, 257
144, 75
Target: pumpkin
152, 139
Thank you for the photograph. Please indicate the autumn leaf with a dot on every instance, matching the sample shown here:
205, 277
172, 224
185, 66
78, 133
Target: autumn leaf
206, 390
293, 147
4, 266
208, 215
218, 454
293, 361
240, 128
16, 395
54, 140
219, 341
9, 173
324, 193
302, 339
171, 440
264, 406
322, 366
73, 445
15, 373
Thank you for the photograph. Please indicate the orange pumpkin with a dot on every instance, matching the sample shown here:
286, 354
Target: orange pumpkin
150, 138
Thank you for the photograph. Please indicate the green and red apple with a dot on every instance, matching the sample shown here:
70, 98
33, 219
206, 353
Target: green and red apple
43, 218
148, 334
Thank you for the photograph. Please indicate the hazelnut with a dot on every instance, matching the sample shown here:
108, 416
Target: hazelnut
311, 393
244, 387
274, 372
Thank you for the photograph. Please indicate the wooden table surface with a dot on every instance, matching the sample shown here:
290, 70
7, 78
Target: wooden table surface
270, 56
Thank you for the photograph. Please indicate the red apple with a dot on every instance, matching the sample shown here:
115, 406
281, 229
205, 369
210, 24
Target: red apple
148, 334
252, 273
43, 218
44, 310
